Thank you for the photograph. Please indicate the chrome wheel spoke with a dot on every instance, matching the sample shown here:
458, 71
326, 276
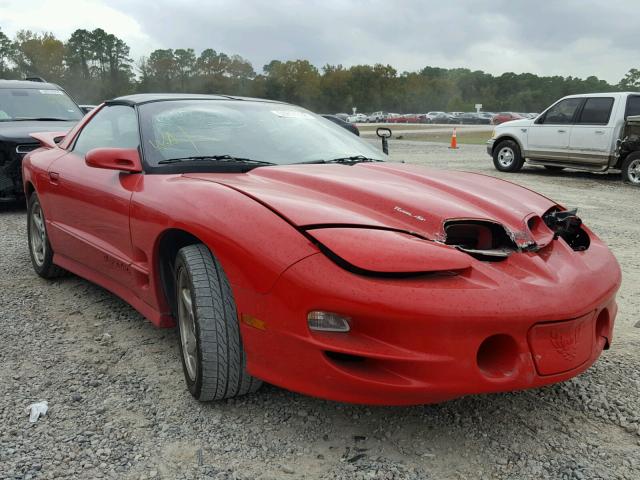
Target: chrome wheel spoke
38, 234
187, 325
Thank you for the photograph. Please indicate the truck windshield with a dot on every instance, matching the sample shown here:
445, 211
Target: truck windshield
36, 104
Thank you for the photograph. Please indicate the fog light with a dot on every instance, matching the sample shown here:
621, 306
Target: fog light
327, 322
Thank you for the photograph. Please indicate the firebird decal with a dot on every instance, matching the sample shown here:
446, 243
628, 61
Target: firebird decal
114, 263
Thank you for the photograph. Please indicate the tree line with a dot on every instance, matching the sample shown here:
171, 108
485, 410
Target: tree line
95, 65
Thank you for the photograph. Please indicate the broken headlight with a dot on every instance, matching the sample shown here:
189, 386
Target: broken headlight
567, 225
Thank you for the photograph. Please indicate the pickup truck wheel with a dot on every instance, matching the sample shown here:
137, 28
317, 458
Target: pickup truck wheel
40, 249
507, 156
213, 358
631, 169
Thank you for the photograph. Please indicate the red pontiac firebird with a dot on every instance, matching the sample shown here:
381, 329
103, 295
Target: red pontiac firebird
287, 250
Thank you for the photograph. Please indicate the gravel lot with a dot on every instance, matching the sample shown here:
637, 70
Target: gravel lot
118, 407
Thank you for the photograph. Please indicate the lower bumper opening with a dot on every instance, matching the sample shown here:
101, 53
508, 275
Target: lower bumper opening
340, 357
498, 356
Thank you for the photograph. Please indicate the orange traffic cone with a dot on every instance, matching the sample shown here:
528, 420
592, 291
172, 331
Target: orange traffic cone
454, 140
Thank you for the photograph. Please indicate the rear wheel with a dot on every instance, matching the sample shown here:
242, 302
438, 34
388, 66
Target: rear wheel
507, 156
213, 358
40, 249
631, 169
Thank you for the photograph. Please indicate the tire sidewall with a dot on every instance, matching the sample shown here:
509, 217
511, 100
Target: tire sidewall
517, 162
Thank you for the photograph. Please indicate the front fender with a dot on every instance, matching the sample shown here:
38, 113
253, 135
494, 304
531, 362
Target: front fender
253, 244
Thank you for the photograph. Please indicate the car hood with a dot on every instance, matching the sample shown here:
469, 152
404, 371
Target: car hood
18, 132
523, 122
405, 197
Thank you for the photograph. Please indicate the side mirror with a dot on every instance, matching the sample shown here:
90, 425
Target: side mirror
384, 133
122, 159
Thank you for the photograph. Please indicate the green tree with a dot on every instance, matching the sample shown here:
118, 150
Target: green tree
7, 53
39, 55
185, 65
631, 80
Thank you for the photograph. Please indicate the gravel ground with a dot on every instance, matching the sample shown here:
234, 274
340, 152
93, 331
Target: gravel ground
118, 407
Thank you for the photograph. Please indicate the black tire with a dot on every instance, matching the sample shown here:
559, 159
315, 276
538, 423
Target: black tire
507, 156
631, 169
40, 250
217, 351
554, 168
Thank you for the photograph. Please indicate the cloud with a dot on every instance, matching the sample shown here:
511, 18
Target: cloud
573, 37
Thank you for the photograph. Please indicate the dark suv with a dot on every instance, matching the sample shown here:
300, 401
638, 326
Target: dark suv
27, 107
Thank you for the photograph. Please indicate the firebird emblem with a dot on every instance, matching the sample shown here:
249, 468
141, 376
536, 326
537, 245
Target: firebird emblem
409, 214
566, 343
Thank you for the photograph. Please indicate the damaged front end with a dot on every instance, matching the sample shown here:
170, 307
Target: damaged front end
491, 241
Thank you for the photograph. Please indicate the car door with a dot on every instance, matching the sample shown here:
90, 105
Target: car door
90, 206
548, 137
591, 138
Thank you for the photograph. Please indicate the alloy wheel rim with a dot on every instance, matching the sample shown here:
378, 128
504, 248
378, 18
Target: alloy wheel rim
634, 171
505, 157
187, 325
38, 234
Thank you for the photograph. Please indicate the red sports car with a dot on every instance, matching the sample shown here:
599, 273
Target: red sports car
287, 250
499, 118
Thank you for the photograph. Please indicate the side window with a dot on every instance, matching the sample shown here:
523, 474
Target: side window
633, 106
562, 112
596, 111
113, 126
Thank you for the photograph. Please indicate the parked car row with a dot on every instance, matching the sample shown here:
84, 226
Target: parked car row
464, 118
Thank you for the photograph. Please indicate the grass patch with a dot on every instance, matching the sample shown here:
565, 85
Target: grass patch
468, 138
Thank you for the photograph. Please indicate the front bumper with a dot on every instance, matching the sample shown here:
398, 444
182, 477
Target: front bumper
499, 327
490, 143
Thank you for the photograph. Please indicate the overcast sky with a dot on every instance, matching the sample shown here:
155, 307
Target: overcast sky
567, 37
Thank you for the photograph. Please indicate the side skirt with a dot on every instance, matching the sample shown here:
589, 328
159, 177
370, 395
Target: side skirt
159, 319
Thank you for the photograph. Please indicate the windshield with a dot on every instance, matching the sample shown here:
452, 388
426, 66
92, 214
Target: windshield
32, 103
262, 131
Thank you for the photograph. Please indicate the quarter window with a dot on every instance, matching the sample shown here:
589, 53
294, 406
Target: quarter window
112, 127
596, 111
562, 112
633, 106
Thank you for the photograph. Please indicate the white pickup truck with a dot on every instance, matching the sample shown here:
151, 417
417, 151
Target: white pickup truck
578, 131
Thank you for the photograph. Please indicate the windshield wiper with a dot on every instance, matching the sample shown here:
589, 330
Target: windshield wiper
40, 119
214, 158
347, 160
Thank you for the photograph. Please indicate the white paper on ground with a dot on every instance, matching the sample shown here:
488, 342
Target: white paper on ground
37, 410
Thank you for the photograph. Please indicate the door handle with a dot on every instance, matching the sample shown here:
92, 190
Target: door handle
54, 177
599, 132
562, 131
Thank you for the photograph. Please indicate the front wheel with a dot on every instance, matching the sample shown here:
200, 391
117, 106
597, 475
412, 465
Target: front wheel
213, 358
40, 249
507, 156
631, 169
